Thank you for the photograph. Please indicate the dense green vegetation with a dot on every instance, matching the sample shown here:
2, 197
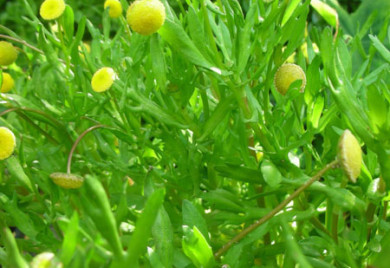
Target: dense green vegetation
175, 149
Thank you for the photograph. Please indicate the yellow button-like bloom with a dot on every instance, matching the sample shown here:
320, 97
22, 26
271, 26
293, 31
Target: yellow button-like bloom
350, 155
286, 75
146, 16
115, 8
103, 79
8, 53
67, 180
7, 143
7, 84
52, 9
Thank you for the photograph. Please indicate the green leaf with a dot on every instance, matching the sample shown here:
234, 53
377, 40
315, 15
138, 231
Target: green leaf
20, 219
173, 33
68, 18
158, 61
327, 12
377, 107
70, 240
143, 227
14, 256
97, 206
192, 217
17, 172
218, 115
271, 174
290, 10
380, 47
163, 235
196, 248
317, 111
240, 173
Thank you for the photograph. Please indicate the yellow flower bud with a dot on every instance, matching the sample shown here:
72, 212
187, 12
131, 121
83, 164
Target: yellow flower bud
7, 143
52, 9
8, 53
7, 84
146, 16
103, 79
115, 8
286, 75
350, 155
67, 181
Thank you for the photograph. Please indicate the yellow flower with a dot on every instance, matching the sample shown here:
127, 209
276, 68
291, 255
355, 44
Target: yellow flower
103, 79
52, 9
146, 16
286, 75
115, 8
350, 155
8, 53
7, 84
66, 180
7, 143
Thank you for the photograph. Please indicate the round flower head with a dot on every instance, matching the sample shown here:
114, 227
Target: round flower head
350, 155
52, 9
103, 79
286, 75
8, 53
146, 16
7, 143
7, 84
115, 8
67, 181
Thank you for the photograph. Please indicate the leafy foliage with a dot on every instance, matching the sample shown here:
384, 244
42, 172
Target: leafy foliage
193, 143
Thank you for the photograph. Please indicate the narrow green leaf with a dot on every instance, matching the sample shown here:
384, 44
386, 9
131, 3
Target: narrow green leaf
97, 205
215, 119
14, 257
143, 227
380, 47
163, 235
17, 172
271, 174
196, 248
192, 217
158, 61
240, 173
68, 17
173, 33
70, 240
328, 13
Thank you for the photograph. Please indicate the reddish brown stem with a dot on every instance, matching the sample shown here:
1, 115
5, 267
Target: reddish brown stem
272, 213
68, 169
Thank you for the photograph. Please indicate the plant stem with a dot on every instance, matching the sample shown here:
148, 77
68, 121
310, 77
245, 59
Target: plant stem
272, 213
68, 169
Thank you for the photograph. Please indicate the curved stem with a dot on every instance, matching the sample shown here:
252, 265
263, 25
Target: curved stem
54, 121
68, 167
21, 42
272, 213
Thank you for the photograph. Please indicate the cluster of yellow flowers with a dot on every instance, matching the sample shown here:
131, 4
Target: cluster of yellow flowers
144, 17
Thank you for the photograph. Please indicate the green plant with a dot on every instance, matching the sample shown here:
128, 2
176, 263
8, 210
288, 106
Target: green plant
190, 157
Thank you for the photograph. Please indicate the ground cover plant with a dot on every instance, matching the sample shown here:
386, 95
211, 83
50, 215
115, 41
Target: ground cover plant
194, 133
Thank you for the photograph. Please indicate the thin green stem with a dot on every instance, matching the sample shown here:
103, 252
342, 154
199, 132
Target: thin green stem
277, 209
